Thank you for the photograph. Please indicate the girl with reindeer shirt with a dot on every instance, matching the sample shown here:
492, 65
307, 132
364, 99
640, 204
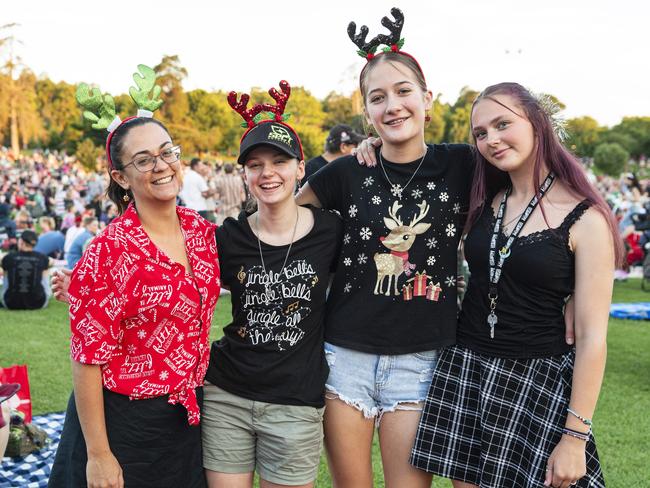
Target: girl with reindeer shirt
393, 300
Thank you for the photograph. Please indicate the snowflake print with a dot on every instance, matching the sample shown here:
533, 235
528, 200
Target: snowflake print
347, 288
82, 358
131, 348
368, 181
85, 290
365, 233
450, 281
432, 242
362, 258
164, 375
444, 197
195, 223
431, 260
417, 193
142, 334
180, 337
431, 185
451, 230
346, 239
456, 207
148, 267
376, 200
347, 261
128, 222
396, 190
353, 211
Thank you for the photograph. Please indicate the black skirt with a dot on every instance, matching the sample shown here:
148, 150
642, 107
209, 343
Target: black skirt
151, 439
495, 422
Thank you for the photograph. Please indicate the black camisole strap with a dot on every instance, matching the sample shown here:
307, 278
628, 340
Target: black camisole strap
573, 216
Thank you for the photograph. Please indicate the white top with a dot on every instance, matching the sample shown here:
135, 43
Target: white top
193, 185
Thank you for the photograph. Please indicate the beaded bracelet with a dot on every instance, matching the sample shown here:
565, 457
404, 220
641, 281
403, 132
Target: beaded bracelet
583, 436
582, 419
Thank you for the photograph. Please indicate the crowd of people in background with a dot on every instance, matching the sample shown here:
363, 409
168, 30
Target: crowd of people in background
51, 208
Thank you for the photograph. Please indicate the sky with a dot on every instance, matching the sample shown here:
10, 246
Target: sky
593, 55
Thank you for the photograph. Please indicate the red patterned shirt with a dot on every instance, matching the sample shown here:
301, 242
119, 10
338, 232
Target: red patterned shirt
140, 316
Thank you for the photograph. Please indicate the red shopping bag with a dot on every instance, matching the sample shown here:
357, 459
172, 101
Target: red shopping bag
22, 400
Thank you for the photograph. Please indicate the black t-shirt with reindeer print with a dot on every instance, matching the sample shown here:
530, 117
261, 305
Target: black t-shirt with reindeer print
272, 351
395, 287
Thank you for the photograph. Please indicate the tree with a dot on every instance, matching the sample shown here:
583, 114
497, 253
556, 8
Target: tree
637, 132
457, 118
434, 131
610, 158
87, 154
170, 75
584, 135
340, 109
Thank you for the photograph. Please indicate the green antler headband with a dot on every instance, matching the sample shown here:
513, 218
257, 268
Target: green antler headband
146, 82
100, 109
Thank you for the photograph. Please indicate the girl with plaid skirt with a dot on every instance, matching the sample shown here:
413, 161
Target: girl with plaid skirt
510, 404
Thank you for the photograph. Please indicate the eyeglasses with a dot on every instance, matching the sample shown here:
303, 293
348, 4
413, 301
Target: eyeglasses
144, 164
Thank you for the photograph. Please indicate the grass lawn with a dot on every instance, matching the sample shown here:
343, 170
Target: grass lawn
622, 420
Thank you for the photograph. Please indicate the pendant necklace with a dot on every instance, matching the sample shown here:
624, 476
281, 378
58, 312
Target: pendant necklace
504, 252
259, 246
396, 189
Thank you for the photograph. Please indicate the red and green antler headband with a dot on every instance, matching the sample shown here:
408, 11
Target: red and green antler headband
392, 42
262, 113
100, 109
257, 114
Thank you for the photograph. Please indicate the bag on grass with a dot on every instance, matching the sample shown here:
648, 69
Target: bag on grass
23, 400
24, 438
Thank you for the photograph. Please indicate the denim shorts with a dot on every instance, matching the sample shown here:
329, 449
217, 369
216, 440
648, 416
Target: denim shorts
376, 384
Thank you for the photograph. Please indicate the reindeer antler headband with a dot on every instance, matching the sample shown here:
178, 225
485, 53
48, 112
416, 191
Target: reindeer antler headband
260, 120
391, 43
100, 109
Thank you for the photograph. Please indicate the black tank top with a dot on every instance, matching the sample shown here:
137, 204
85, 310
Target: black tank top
536, 278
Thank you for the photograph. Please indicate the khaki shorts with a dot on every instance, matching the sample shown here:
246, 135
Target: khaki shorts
281, 442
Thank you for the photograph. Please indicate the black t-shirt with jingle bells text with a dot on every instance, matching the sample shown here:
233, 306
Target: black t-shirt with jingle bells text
395, 287
272, 351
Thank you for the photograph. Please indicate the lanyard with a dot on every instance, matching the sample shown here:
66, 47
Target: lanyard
504, 252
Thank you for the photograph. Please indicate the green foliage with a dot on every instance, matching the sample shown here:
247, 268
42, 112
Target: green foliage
610, 158
457, 118
584, 135
87, 154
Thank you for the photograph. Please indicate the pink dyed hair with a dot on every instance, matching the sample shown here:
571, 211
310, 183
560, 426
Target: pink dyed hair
488, 180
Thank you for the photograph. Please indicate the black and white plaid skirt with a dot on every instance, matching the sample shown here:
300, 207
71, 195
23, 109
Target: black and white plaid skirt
494, 422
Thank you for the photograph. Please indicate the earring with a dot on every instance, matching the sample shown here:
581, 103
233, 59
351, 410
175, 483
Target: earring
427, 118
126, 197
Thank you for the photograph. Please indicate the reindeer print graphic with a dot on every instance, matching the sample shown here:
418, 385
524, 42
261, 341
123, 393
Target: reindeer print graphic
399, 241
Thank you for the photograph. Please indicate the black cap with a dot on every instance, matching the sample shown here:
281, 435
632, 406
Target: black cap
30, 237
275, 134
343, 134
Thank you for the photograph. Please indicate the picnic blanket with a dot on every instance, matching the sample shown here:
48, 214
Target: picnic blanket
633, 311
33, 470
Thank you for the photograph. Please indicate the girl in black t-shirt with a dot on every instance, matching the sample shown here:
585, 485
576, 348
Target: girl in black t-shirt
264, 391
511, 404
393, 299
